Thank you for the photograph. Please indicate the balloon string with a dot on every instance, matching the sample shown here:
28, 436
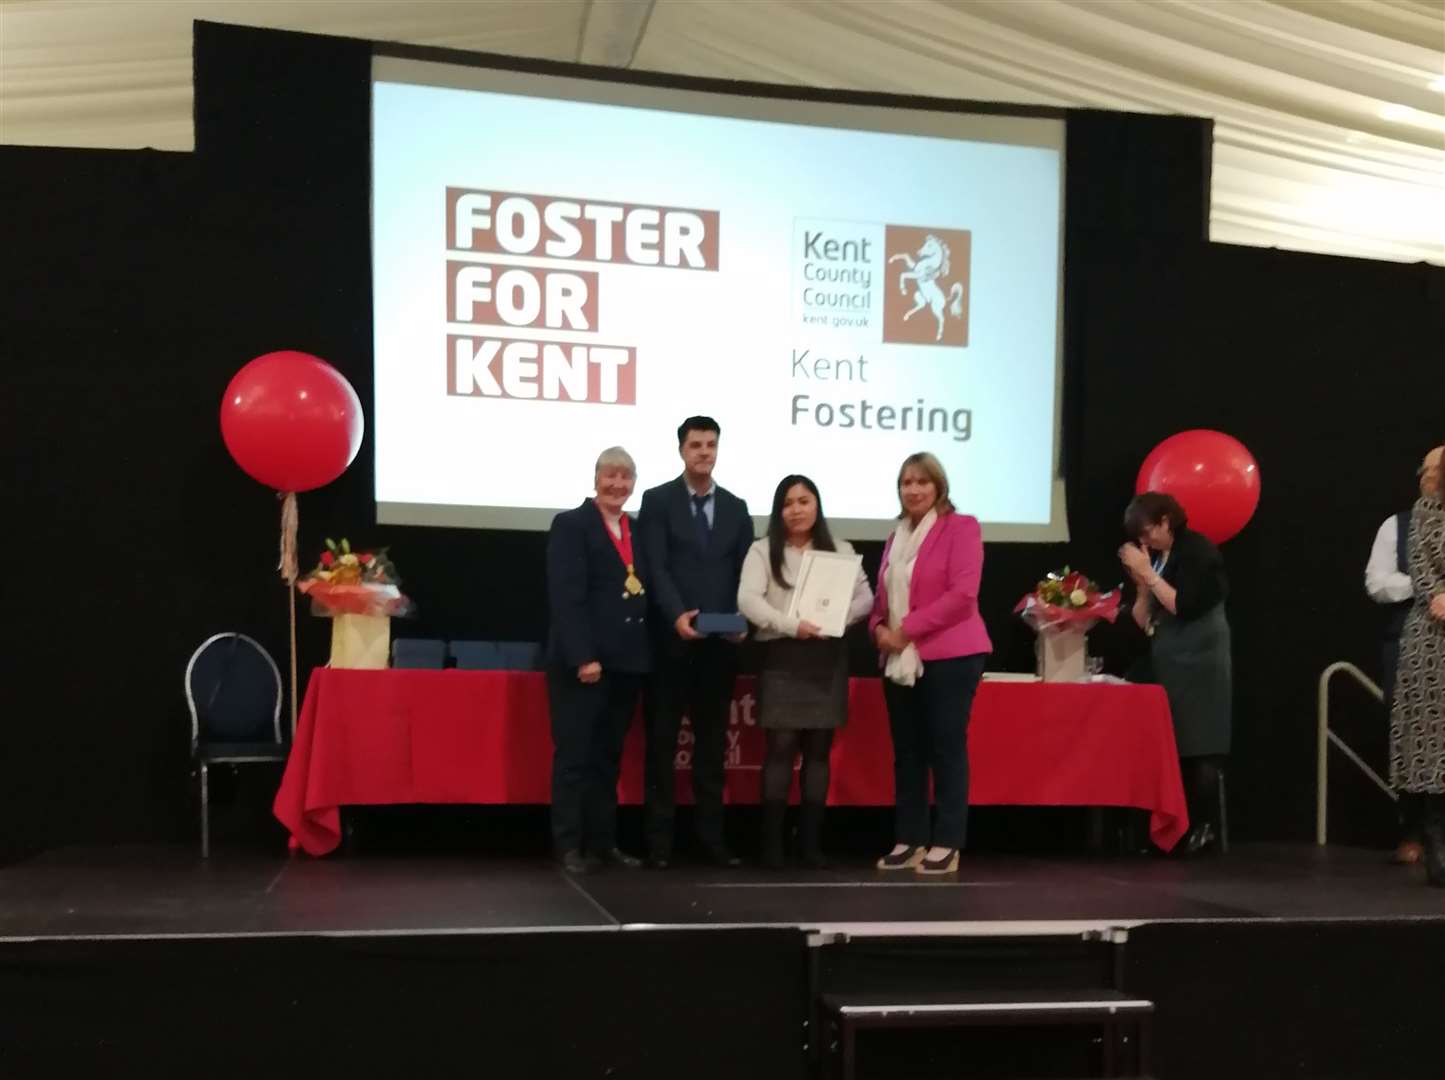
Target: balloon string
289, 521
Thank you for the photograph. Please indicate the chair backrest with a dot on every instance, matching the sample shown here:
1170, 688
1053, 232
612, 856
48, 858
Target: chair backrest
428, 653
497, 655
233, 688
520, 655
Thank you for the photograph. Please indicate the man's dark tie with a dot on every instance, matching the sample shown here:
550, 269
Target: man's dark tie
704, 530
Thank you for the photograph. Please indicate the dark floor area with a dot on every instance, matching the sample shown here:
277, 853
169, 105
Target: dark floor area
1273, 961
170, 890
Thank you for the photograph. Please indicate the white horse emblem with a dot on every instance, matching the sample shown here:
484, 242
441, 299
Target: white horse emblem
924, 271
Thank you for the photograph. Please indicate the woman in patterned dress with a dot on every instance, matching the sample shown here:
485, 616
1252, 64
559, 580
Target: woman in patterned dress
1417, 721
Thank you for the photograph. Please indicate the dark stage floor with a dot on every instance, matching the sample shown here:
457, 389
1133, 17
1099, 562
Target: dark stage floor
169, 890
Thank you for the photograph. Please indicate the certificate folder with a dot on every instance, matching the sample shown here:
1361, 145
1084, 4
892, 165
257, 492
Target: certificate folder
823, 592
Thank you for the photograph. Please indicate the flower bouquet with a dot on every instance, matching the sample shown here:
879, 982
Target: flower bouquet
1061, 609
359, 591
347, 582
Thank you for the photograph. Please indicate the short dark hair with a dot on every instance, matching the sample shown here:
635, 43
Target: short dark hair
1151, 508
696, 423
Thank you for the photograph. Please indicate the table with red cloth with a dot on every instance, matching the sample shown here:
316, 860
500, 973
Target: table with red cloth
413, 736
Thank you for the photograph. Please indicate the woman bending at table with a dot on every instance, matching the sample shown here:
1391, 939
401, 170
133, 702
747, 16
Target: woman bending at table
933, 644
1180, 590
597, 656
803, 683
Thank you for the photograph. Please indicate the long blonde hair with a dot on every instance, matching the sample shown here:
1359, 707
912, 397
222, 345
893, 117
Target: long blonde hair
932, 468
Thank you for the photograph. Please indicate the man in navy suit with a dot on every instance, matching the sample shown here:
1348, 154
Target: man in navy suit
696, 535
598, 653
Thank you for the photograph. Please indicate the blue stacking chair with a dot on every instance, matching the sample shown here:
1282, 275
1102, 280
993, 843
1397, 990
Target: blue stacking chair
497, 655
425, 653
233, 688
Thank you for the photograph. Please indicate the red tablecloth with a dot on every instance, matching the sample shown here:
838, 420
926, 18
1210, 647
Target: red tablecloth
406, 736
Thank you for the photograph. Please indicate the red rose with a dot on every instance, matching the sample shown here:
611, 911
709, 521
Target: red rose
326, 558
366, 559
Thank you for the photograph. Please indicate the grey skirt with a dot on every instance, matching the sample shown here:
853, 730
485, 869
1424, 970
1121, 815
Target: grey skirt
803, 684
1192, 661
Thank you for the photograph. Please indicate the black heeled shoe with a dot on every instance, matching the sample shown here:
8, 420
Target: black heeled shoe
574, 862
1201, 839
719, 856
620, 859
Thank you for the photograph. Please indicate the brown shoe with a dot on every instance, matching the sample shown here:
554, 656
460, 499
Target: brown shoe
906, 859
1408, 853
947, 863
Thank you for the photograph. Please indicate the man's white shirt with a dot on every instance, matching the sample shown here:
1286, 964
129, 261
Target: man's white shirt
1383, 579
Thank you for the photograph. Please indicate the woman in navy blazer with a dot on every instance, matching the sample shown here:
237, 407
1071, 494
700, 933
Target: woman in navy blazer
933, 643
598, 654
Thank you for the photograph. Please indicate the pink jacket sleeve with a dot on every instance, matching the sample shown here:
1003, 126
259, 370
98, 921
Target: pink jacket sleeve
963, 569
879, 614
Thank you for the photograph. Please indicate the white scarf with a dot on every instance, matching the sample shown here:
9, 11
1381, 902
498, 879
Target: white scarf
904, 667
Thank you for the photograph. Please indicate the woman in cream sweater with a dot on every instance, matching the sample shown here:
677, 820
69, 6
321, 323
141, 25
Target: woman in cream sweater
803, 686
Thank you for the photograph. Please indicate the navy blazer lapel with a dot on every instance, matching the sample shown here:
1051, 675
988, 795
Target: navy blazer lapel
596, 526
594, 530
681, 509
722, 512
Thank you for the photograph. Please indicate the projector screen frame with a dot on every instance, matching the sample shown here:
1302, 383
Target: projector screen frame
611, 86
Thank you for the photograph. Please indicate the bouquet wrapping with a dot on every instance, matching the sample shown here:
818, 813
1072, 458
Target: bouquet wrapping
1067, 600
347, 582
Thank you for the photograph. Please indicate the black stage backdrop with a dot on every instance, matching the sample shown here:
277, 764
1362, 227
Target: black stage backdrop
137, 283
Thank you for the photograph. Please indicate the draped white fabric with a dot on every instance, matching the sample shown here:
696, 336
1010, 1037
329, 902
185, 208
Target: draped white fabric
1330, 114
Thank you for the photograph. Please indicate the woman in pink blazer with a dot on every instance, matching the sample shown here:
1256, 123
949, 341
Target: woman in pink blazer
933, 645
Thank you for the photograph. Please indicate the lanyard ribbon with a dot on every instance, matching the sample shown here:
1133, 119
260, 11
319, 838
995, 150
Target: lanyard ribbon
623, 545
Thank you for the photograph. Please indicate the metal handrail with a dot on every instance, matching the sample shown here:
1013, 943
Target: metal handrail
1324, 736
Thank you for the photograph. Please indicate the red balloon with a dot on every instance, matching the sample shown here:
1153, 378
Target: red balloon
1212, 475
291, 421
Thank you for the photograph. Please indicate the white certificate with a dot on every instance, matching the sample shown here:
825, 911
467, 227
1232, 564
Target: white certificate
824, 590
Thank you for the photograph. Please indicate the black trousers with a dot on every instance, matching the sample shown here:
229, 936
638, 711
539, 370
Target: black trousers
695, 680
589, 724
929, 724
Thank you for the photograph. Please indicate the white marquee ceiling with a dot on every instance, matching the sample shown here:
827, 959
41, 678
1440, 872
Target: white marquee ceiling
1329, 114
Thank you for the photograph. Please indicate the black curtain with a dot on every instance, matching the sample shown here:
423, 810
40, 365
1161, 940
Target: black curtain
137, 283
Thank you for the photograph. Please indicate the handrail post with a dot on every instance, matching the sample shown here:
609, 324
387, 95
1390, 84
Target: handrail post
1323, 736
1322, 757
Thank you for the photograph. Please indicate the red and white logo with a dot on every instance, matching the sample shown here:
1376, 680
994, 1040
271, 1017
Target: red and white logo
497, 288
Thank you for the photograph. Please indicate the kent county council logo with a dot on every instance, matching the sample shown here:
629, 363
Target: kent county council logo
925, 294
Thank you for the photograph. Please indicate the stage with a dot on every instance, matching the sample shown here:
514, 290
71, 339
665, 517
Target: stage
151, 891
1274, 960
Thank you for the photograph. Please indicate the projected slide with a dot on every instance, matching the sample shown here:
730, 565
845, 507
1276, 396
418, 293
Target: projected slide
553, 276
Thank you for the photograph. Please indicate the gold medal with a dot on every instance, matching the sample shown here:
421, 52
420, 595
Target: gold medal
633, 584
